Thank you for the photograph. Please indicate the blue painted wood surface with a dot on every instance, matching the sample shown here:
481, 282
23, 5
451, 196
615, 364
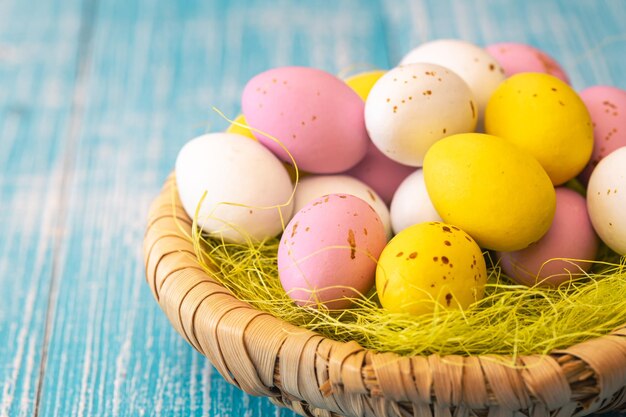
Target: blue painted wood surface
96, 98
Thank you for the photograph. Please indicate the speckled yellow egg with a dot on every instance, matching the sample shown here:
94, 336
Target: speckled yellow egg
429, 266
362, 83
543, 115
492, 189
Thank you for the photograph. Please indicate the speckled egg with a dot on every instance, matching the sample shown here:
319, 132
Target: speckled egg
316, 186
571, 236
492, 189
429, 266
411, 204
607, 107
413, 106
518, 57
606, 200
544, 116
473, 64
315, 115
245, 184
328, 251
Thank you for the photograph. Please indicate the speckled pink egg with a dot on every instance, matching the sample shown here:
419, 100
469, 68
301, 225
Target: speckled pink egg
384, 175
328, 251
571, 236
518, 57
607, 107
314, 114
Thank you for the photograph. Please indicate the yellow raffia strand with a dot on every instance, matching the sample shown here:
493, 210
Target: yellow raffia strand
510, 320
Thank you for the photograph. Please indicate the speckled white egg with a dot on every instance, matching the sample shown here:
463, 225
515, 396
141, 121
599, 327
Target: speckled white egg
473, 64
316, 186
244, 184
606, 200
411, 204
413, 106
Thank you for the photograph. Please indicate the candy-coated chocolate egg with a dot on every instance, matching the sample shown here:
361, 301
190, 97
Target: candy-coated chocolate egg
518, 57
492, 189
607, 107
429, 266
473, 64
413, 106
328, 251
606, 200
571, 236
315, 115
544, 116
411, 204
315, 186
244, 185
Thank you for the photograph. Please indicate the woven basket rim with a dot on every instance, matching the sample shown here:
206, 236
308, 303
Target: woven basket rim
313, 375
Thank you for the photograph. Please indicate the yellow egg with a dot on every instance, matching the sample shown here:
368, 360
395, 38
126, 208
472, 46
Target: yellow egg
244, 131
495, 191
430, 265
362, 83
545, 116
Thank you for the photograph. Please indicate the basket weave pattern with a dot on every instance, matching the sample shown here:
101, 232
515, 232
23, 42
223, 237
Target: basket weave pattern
316, 376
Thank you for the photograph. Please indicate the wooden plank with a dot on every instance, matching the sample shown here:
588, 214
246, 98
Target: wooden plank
39, 49
586, 37
153, 73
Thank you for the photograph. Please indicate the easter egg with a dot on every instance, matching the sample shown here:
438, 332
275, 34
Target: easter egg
413, 106
411, 204
571, 236
518, 57
544, 116
429, 266
607, 107
362, 83
606, 200
384, 175
473, 64
312, 113
240, 130
316, 186
245, 186
328, 251
492, 189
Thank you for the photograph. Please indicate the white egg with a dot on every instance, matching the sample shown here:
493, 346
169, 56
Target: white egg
413, 106
411, 204
316, 186
473, 64
244, 184
606, 200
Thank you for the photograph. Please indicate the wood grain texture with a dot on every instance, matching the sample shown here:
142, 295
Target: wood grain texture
96, 98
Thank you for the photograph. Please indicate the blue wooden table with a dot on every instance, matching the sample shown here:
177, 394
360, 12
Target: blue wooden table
96, 98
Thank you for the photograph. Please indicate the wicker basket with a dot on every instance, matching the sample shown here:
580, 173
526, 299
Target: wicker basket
316, 376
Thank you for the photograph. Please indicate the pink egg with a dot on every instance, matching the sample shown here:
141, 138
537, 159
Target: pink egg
570, 236
607, 107
384, 175
518, 57
328, 251
315, 115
